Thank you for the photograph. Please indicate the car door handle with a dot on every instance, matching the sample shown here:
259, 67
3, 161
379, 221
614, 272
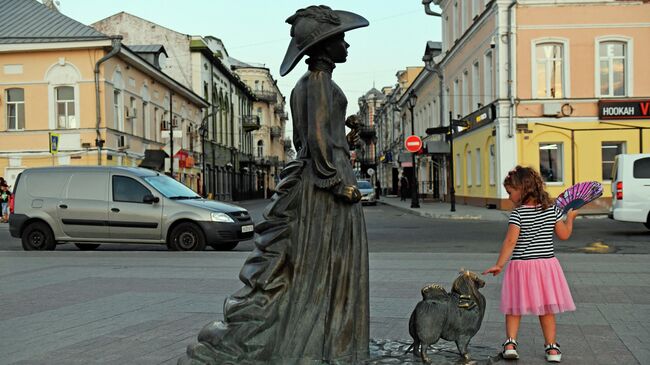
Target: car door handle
115, 210
63, 206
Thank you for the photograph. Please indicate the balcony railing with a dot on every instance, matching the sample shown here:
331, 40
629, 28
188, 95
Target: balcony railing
268, 96
251, 123
367, 132
276, 132
287, 143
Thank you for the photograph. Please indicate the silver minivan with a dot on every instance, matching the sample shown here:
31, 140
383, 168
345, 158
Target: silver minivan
90, 205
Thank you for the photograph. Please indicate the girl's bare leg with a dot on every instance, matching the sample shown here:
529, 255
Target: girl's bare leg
512, 327
548, 328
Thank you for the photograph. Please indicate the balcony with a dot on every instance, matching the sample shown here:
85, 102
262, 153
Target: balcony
287, 144
267, 96
276, 132
250, 123
367, 132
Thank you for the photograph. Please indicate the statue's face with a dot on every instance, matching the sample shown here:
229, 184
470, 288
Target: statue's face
336, 48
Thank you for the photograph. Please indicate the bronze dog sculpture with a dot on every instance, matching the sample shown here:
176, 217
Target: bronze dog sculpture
455, 316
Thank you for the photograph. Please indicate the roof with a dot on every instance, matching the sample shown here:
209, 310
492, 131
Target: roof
148, 48
29, 21
374, 92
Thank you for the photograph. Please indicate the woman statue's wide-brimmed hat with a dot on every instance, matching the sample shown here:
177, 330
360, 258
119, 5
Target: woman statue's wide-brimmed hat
314, 24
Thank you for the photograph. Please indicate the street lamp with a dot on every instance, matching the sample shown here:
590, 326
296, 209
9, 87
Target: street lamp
410, 103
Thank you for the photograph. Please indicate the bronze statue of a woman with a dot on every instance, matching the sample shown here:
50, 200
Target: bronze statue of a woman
305, 299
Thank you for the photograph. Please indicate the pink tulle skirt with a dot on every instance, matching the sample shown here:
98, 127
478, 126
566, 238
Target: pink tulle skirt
535, 287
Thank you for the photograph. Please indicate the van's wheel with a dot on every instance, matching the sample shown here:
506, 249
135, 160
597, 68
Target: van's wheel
226, 246
186, 237
38, 237
86, 246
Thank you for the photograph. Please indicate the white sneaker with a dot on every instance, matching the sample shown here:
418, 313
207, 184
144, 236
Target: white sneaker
510, 354
553, 357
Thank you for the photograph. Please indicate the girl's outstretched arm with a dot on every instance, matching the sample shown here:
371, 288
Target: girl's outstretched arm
506, 250
563, 229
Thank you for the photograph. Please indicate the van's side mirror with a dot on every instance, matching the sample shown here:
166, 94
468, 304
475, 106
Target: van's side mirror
150, 199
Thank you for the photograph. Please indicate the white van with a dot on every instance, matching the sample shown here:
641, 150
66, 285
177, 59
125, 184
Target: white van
89, 206
631, 188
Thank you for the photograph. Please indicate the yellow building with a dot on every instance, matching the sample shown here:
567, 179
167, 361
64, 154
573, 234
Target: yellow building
561, 88
104, 103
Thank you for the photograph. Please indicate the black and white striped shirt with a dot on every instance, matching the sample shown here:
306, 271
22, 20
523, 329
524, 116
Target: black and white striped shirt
536, 226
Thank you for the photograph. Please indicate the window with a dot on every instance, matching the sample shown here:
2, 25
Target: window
468, 168
477, 176
260, 148
454, 23
608, 151
465, 107
457, 172
493, 166
487, 79
550, 161
463, 19
145, 120
156, 124
127, 190
132, 115
475, 87
117, 116
641, 168
65, 114
15, 108
549, 70
612, 65
456, 110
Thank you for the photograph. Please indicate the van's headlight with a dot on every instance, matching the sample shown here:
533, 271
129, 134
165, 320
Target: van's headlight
221, 217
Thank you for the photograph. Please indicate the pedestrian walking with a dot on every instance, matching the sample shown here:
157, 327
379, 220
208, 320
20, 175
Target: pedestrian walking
5, 196
533, 283
403, 188
377, 188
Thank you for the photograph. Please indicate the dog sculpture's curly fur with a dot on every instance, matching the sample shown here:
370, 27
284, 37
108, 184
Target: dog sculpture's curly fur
455, 316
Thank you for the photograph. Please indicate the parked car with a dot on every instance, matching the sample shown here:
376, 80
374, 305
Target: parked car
93, 205
631, 188
367, 192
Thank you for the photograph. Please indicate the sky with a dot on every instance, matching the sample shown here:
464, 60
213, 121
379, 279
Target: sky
255, 31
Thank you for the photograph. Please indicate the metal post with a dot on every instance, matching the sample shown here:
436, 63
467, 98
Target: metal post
452, 189
171, 135
414, 190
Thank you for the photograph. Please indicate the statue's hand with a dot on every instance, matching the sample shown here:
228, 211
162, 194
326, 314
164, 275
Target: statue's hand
353, 138
348, 193
352, 122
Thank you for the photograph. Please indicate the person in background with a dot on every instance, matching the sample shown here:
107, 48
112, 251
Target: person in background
5, 196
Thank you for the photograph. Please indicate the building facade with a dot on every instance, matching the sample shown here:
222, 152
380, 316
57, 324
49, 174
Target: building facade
270, 145
74, 96
539, 87
202, 64
366, 153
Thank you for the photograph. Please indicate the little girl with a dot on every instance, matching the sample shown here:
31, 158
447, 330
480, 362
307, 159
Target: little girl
534, 282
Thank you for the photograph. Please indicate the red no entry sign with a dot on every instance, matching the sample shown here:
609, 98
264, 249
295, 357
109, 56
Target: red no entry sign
413, 143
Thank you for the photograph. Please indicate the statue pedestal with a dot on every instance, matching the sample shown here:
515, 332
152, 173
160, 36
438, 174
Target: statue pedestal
385, 352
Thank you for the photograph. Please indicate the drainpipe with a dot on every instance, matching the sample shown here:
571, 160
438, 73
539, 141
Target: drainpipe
511, 96
116, 44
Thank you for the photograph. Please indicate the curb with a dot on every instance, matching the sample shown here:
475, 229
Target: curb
439, 216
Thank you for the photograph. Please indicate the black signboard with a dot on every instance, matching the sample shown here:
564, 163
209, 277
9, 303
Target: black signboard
624, 109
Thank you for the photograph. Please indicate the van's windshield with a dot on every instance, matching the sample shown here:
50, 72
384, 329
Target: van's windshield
171, 188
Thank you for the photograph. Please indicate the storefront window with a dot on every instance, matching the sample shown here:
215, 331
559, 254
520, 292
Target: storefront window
468, 166
550, 162
609, 150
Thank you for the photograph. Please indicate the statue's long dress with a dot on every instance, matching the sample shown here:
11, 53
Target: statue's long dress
305, 299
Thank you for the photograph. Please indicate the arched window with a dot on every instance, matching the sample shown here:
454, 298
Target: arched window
612, 68
65, 114
260, 148
15, 105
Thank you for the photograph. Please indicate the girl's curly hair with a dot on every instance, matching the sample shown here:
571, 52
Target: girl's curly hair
530, 183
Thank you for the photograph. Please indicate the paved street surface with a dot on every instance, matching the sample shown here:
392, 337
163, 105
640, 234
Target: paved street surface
139, 304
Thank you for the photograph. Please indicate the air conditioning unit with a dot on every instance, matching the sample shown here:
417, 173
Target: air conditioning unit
552, 109
131, 113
